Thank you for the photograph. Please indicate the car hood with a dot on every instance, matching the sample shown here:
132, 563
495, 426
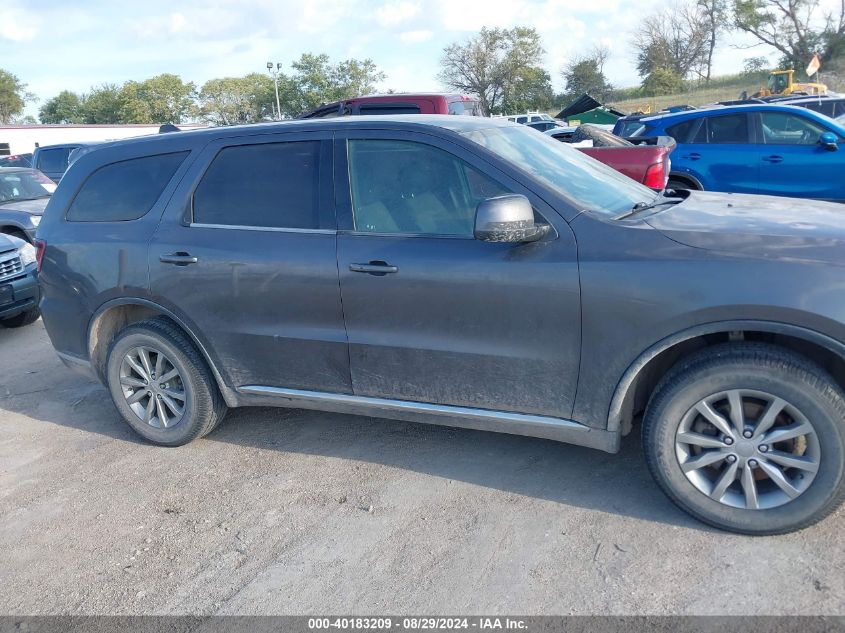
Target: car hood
8, 243
33, 207
756, 226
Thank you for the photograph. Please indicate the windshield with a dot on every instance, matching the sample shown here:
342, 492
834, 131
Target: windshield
589, 184
24, 185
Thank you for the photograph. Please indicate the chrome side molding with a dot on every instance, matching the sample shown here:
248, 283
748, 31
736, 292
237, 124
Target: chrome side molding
559, 429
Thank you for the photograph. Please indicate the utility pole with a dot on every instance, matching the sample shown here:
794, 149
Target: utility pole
274, 72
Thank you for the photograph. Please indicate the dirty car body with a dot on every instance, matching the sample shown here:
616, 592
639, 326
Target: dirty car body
371, 289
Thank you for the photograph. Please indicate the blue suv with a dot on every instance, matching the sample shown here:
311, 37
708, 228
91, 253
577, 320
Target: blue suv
768, 149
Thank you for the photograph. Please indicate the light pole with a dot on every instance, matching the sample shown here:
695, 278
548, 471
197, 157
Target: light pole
275, 75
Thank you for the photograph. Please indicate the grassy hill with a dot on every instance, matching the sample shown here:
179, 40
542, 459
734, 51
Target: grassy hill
723, 88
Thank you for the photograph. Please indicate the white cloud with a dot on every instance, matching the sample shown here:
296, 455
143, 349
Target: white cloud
392, 13
415, 37
16, 24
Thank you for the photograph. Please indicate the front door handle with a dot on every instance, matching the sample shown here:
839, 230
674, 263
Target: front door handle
376, 267
773, 159
179, 259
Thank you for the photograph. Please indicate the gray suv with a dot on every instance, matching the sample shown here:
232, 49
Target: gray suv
467, 272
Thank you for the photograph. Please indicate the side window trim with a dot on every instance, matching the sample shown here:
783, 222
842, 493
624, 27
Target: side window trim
325, 184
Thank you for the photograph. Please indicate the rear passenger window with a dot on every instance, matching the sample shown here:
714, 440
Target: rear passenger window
683, 132
53, 160
389, 109
732, 128
270, 185
124, 191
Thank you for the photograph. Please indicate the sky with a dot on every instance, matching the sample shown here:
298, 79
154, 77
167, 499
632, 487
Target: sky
55, 45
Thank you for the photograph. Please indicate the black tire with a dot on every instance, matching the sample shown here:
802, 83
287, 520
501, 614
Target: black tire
755, 367
676, 185
22, 319
204, 407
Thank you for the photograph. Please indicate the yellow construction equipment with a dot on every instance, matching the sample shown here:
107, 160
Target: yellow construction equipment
780, 83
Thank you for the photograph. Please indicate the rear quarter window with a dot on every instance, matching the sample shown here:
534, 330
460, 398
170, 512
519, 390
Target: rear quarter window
125, 190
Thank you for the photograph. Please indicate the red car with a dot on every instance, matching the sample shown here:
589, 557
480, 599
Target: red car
400, 103
647, 162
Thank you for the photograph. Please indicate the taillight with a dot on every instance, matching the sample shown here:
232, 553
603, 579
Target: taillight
40, 245
655, 176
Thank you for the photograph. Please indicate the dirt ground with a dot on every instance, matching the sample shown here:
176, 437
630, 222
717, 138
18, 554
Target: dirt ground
295, 512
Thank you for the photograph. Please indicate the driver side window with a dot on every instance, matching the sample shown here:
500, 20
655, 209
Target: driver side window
780, 128
410, 187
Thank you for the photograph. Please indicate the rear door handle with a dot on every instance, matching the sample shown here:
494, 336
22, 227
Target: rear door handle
693, 156
179, 259
376, 267
773, 159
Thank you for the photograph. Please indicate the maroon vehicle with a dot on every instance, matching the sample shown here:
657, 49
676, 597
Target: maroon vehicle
399, 103
647, 162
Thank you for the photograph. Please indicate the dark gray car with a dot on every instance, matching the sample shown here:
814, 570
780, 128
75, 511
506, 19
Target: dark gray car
467, 272
23, 197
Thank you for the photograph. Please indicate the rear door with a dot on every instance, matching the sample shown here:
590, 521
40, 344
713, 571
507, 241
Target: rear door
434, 315
717, 151
245, 253
792, 161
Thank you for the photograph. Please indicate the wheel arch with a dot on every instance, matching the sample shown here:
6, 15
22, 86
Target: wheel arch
638, 381
687, 179
114, 315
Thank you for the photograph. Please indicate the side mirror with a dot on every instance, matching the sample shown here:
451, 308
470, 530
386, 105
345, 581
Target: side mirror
828, 141
507, 219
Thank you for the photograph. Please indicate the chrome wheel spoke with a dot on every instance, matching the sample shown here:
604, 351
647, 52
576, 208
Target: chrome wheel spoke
129, 381
777, 476
713, 417
788, 460
161, 412
145, 362
173, 373
699, 439
178, 395
136, 366
783, 433
737, 413
768, 418
136, 397
702, 460
725, 480
148, 413
174, 408
159, 363
749, 487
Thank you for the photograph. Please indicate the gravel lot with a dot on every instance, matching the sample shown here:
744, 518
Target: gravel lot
292, 512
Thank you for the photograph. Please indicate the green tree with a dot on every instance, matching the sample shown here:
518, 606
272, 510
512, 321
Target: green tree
103, 104
492, 64
585, 74
792, 28
662, 81
161, 99
531, 90
715, 14
676, 39
235, 100
13, 96
65, 107
315, 80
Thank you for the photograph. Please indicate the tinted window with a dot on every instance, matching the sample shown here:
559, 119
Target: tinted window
268, 185
407, 187
823, 106
731, 128
53, 160
389, 109
780, 128
124, 191
684, 131
468, 108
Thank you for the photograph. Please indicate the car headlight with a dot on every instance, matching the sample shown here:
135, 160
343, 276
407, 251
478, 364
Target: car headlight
27, 254
35, 219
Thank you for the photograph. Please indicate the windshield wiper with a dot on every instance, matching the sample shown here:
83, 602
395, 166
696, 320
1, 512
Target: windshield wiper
644, 206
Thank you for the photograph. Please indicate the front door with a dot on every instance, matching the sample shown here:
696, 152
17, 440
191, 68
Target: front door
434, 315
245, 254
792, 161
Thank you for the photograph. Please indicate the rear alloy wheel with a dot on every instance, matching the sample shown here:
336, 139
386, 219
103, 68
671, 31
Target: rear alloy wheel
161, 384
748, 437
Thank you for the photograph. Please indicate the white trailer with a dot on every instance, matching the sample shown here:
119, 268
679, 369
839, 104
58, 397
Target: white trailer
23, 139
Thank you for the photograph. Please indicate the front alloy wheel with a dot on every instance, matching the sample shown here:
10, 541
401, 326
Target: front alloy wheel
748, 437
153, 387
